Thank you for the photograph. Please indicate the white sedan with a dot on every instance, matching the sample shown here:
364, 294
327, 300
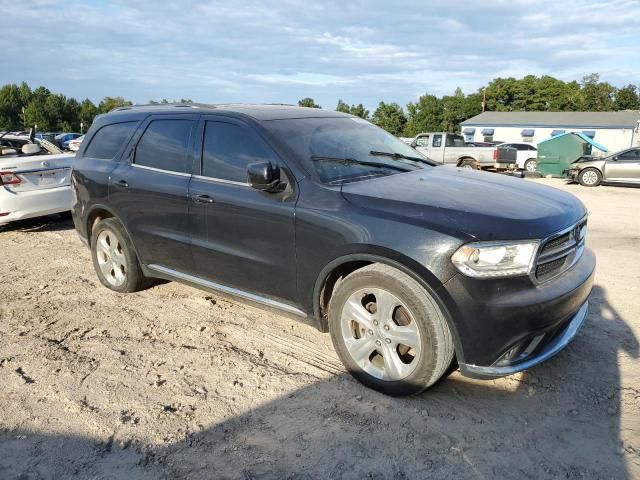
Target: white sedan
34, 186
527, 155
74, 145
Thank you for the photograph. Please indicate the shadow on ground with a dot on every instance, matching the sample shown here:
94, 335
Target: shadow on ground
49, 223
561, 420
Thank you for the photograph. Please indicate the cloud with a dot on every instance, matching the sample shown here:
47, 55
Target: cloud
265, 51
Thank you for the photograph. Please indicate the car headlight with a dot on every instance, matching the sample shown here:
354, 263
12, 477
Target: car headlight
495, 259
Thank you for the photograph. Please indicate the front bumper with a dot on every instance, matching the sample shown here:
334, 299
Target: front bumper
572, 173
560, 341
508, 325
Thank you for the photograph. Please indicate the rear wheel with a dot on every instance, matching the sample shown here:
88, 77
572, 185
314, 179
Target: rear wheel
114, 258
590, 177
531, 165
469, 163
389, 331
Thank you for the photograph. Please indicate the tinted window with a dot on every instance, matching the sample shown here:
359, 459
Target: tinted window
165, 145
107, 141
630, 155
228, 149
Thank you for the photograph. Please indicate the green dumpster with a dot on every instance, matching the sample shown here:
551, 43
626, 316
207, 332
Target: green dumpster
556, 153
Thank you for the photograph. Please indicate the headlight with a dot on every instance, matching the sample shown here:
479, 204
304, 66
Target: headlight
495, 259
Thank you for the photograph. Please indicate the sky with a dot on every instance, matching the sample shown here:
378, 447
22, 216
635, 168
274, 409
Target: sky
278, 52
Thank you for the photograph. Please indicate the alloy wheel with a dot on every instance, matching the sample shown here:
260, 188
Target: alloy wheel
111, 258
380, 334
590, 177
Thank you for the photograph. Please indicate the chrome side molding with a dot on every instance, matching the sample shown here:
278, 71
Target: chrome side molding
227, 290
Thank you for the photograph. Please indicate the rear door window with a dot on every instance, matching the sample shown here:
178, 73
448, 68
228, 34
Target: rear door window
228, 149
165, 145
108, 141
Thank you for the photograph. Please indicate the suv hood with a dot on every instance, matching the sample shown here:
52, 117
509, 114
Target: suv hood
469, 204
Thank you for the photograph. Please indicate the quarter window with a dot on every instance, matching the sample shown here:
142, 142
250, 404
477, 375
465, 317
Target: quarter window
229, 148
108, 141
165, 145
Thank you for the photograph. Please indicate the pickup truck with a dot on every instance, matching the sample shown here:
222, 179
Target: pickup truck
451, 149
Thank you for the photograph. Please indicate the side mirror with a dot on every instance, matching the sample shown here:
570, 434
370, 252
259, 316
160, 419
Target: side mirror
263, 176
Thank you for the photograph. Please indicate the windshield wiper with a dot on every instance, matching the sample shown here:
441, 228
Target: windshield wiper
353, 161
399, 155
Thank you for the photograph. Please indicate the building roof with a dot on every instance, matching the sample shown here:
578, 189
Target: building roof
623, 119
257, 111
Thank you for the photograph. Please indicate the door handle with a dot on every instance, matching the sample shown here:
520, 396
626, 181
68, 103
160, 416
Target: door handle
201, 199
121, 184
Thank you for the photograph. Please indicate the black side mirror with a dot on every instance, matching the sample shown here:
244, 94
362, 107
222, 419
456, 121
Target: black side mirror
263, 176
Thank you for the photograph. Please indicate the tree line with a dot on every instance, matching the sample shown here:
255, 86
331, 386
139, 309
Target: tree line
535, 94
22, 107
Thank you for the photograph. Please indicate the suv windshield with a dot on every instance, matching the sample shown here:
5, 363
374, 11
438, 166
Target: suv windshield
342, 149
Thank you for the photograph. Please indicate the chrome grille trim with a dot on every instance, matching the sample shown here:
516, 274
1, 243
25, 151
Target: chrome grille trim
551, 250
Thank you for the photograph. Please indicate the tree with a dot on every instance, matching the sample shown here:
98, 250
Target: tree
341, 107
453, 111
86, 113
391, 117
627, 98
424, 116
308, 102
109, 103
598, 96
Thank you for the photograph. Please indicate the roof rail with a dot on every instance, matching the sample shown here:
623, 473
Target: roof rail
156, 105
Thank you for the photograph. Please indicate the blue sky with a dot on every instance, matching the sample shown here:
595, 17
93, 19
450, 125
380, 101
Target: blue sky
261, 51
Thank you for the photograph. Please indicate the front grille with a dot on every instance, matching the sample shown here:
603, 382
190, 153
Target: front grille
559, 252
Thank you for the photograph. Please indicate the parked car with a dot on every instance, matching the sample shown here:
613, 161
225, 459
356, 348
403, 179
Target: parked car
621, 167
328, 218
74, 145
63, 139
34, 186
451, 149
527, 155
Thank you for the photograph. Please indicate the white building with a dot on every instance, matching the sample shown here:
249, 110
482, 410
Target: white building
614, 130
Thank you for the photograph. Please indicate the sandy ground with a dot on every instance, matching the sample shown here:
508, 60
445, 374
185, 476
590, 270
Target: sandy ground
173, 382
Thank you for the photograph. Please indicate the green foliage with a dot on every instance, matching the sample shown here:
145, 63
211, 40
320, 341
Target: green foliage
308, 102
426, 115
21, 108
391, 117
627, 98
357, 110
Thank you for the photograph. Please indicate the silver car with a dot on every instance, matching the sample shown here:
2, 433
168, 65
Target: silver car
621, 167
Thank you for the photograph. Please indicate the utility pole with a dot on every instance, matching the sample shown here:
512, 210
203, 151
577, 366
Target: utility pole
484, 98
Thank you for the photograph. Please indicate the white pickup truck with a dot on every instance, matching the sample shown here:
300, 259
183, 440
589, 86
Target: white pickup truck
451, 149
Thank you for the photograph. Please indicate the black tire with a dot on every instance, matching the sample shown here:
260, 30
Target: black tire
134, 279
590, 177
468, 163
528, 163
436, 343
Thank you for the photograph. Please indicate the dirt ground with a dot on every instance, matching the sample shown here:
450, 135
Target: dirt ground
174, 382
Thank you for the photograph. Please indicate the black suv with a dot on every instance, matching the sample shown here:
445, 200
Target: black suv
326, 217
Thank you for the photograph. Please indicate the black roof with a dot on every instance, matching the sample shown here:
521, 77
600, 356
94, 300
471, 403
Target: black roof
257, 111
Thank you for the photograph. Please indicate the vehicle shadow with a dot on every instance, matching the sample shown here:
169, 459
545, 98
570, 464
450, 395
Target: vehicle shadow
561, 420
49, 223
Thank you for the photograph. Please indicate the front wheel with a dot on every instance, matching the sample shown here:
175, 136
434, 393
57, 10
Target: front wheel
389, 331
531, 165
590, 177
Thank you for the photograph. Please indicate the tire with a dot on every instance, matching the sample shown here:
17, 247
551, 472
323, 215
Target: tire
115, 259
373, 352
468, 163
530, 165
590, 177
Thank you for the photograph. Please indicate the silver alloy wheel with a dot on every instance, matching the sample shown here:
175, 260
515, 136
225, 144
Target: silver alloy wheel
380, 334
111, 259
590, 177
531, 165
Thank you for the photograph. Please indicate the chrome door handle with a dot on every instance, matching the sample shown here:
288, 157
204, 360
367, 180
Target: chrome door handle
201, 199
